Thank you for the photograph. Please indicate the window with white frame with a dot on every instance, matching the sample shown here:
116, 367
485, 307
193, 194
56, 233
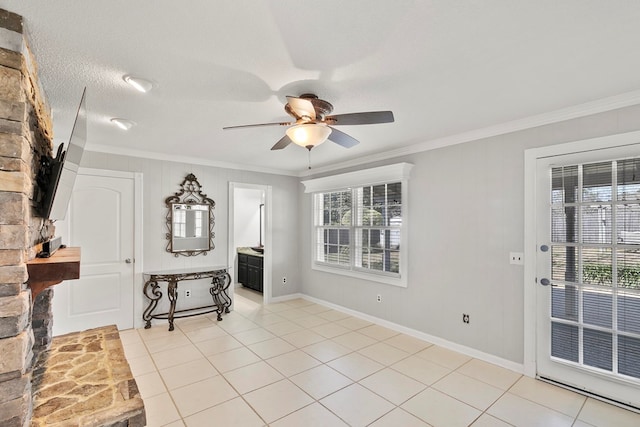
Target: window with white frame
360, 224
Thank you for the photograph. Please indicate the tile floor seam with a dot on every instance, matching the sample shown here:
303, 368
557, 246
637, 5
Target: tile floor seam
221, 374
241, 396
207, 408
504, 392
397, 361
314, 400
354, 382
162, 379
335, 391
580, 411
379, 336
182, 417
284, 416
329, 409
482, 381
397, 405
498, 399
575, 418
548, 407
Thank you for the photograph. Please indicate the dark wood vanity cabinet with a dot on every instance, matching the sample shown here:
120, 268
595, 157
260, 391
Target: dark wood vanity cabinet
250, 271
242, 269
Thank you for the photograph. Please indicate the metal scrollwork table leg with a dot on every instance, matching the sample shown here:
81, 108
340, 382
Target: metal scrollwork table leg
219, 285
218, 291
152, 291
172, 293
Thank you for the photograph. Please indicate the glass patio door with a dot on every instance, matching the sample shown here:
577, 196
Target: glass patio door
588, 272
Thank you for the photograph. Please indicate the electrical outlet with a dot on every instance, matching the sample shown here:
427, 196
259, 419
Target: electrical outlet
465, 318
379, 298
284, 280
187, 293
516, 258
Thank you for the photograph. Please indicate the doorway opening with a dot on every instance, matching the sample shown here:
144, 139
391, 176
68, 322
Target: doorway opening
250, 230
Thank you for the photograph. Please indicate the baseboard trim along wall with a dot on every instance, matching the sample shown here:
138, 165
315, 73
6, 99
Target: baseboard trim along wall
471, 352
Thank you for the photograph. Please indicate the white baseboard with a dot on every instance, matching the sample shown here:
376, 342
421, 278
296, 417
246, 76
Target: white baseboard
471, 352
288, 297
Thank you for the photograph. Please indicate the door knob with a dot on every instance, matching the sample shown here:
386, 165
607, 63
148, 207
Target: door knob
545, 282
128, 260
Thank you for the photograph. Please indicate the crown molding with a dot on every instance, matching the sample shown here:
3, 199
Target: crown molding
581, 110
99, 148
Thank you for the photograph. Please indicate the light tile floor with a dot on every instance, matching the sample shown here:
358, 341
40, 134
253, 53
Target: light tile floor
298, 363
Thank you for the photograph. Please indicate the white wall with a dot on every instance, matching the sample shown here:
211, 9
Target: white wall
247, 217
162, 179
466, 208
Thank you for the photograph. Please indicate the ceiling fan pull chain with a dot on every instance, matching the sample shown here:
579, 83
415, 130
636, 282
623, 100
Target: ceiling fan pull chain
309, 152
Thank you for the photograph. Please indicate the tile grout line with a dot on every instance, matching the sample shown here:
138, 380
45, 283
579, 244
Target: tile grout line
287, 377
221, 374
357, 351
389, 366
326, 363
330, 367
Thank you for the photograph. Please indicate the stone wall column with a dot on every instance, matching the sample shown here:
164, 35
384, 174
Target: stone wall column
25, 136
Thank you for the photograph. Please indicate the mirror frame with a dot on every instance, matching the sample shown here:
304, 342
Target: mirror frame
190, 194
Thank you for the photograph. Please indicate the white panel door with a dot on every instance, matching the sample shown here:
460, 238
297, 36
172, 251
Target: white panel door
588, 271
100, 221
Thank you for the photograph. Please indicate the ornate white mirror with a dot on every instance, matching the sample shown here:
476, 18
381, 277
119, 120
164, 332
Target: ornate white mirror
190, 220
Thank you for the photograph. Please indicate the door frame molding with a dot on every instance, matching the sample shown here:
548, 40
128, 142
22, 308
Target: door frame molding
138, 267
531, 157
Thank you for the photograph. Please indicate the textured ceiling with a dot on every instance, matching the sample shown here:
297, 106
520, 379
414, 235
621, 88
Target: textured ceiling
449, 70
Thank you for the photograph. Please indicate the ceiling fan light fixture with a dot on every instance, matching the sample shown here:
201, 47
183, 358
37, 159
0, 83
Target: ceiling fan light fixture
309, 135
138, 83
123, 124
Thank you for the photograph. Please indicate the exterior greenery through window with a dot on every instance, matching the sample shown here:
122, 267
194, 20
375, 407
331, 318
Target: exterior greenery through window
360, 228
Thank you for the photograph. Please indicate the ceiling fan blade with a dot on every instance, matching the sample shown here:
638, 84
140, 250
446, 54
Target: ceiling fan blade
258, 125
302, 107
368, 118
284, 141
342, 138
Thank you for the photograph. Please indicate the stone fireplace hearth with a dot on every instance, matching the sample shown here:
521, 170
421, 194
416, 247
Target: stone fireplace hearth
85, 379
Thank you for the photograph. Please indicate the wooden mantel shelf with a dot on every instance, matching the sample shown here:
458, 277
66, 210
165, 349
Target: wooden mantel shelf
64, 264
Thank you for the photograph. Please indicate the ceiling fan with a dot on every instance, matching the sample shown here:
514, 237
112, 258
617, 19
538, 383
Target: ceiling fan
313, 125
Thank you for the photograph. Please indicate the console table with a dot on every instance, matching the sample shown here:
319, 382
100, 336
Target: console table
220, 281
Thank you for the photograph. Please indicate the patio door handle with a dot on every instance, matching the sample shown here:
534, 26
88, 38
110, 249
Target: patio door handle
545, 282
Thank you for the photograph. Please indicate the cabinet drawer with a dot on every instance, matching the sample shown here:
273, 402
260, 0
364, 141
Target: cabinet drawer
255, 261
242, 258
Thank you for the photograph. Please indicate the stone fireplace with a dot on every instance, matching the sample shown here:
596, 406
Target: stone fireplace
100, 390
25, 136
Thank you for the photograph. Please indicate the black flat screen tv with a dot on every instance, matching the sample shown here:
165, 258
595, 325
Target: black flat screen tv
64, 168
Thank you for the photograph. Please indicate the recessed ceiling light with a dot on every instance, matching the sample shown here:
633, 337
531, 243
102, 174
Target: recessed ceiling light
123, 124
139, 83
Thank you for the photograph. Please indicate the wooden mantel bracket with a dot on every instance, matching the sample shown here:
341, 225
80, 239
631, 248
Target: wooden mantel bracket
64, 264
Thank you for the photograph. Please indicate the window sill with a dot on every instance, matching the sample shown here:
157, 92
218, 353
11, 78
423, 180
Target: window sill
371, 277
